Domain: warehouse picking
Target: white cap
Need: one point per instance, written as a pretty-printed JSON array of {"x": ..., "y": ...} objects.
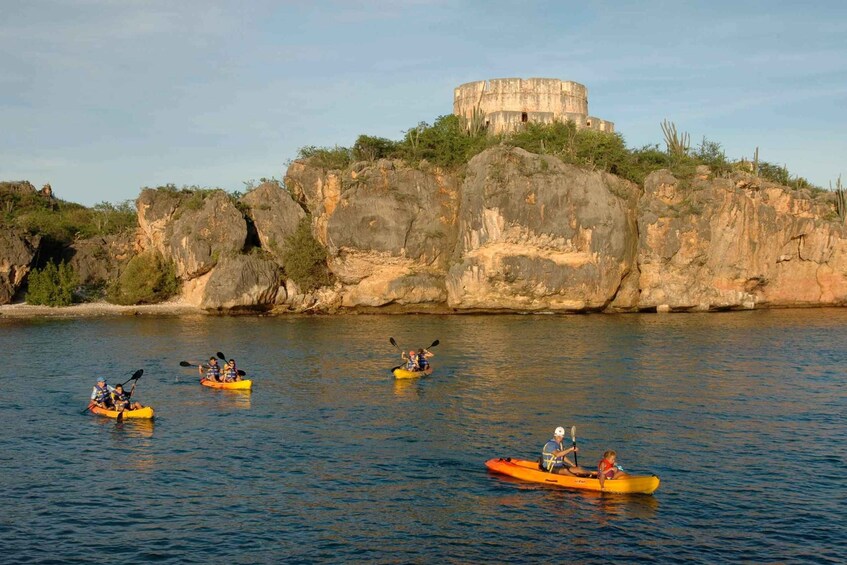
[{"x": 560, "y": 431}]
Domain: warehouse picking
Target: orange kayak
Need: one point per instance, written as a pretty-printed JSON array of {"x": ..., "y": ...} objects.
[
  {"x": 529, "y": 471},
  {"x": 235, "y": 385},
  {"x": 144, "y": 413}
]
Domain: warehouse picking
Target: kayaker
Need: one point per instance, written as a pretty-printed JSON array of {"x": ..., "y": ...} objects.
[
  {"x": 213, "y": 370},
  {"x": 412, "y": 361},
  {"x": 231, "y": 372},
  {"x": 423, "y": 355},
  {"x": 608, "y": 469},
  {"x": 121, "y": 399},
  {"x": 101, "y": 394},
  {"x": 553, "y": 458}
]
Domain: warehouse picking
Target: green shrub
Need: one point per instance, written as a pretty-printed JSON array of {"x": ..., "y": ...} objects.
[
  {"x": 52, "y": 285},
  {"x": 369, "y": 148},
  {"x": 326, "y": 157},
  {"x": 446, "y": 143},
  {"x": 147, "y": 279},
  {"x": 304, "y": 258}
]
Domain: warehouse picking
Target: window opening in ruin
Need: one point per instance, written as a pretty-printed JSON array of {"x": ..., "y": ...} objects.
[
  {"x": 588, "y": 123},
  {"x": 524, "y": 117},
  {"x": 487, "y": 123}
]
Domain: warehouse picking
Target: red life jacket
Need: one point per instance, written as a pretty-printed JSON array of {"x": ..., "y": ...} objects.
[{"x": 607, "y": 468}]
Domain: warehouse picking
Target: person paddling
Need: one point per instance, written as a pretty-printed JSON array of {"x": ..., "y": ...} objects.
[
  {"x": 553, "y": 458},
  {"x": 101, "y": 394},
  {"x": 231, "y": 372},
  {"x": 213, "y": 370},
  {"x": 608, "y": 469},
  {"x": 423, "y": 355},
  {"x": 412, "y": 360},
  {"x": 121, "y": 399}
]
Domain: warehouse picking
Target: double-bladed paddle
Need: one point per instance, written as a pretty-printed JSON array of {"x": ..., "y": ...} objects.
[
  {"x": 222, "y": 357},
  {"x": 135, "y": 376},
  {"x": 394, "y": 343}
]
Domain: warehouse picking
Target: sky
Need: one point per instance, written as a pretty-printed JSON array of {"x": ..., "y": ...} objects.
[{"x": 100, "y": 98}]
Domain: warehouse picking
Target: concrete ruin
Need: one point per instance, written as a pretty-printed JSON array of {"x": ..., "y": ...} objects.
[{"x": 503, "y": 105}]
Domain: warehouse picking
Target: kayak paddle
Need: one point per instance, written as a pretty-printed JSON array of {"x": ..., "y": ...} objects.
[
  {"x": 394, "y": 343},
  {"x": 573, "y": 443},
  {"x": 135, "y": 376},
  {"x": 222, "y": 357}
]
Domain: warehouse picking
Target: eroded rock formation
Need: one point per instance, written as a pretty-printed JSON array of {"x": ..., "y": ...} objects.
[
  {"x": 512, "y": 231},
  {"x": 537, "y": 234},
  {"x": 736, "y": 243},
  {"x": 192, "y": 229},
  {"x": 17, "y": 251}
]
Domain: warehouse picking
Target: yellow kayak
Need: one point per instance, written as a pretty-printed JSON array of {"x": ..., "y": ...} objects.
[
  {"x": 529, "y": 471},
  {"x": 144, "y": 413},
  {"x": 235, "y": 385},
  {"x": 401, "y": 373}
]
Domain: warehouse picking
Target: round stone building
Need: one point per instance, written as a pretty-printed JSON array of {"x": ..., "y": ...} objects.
[{"x": 504, "y": 104}]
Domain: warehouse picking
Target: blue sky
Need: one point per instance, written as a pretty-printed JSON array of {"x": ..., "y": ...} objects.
[{"x": 102, "y": 97}]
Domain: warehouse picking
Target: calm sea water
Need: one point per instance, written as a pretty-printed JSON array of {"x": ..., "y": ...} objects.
[{"x": 742, "y": 416}]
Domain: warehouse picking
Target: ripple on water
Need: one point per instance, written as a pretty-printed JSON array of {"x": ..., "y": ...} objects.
[{"x": 330, "y": 459}]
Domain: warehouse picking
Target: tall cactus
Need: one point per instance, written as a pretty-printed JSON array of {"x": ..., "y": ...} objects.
[
  {"x": 840, "y": 200},
  {"x": 476, "y": 124},
  {"x": 678, "y": 143},
  {"x": 756, "y": 162}
]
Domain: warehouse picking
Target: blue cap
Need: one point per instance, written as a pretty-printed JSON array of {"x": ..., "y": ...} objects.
[{"x": 101, "y": 380}]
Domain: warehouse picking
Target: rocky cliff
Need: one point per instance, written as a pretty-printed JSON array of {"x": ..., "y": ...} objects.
[
  {"x": 512, "y": 231},
  {"x": 524, "y": 232}
]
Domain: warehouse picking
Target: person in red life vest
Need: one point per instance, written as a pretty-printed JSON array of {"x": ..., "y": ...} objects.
[{"x": 608, "y": 469}]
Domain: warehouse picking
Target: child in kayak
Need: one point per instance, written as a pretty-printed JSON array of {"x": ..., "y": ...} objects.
[
  {"x": 121, "y": 400},
  {"x": 412, "y": 361},
  {"x": 607, "y": 468}
]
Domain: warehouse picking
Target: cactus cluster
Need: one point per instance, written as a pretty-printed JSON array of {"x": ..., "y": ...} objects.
[{"x": 677, "y": 143}]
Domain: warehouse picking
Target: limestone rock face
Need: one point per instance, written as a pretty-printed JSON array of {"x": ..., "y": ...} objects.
[
  {"x": 389, "y": 228},
  {"x": 191, "y": 229},
  {"x": 100, "y": 259},
  {"x": 736, "y": 243},
  {"x": 275, "y": 215},
  {"x": 537, "y": 234},
  {"x": 17, "y": 251},
  {"x": 242, "y": 282}
]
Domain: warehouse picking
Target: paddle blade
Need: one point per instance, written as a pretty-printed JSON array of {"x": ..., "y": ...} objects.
[
  {"x": 573, "y": 434},
  {"x": 241, "y": 373},
  {"x": 434, "y": 343},
  {"x": 137, "y": 375},
  {"x": 395, "y": 368},
  {"x": 394, "y": 343},
  {"x": 186, "y": 364},
  {"x": 221, "y": 356}
]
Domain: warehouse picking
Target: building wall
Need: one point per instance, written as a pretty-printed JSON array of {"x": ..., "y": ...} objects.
[{"x": 509, "y": 102}]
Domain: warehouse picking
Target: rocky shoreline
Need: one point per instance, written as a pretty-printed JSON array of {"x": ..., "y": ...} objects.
[{"x": 511, "y": 231}]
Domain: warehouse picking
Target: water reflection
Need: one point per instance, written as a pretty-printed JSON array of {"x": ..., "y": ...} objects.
[{"x": 332, "y": 453}]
